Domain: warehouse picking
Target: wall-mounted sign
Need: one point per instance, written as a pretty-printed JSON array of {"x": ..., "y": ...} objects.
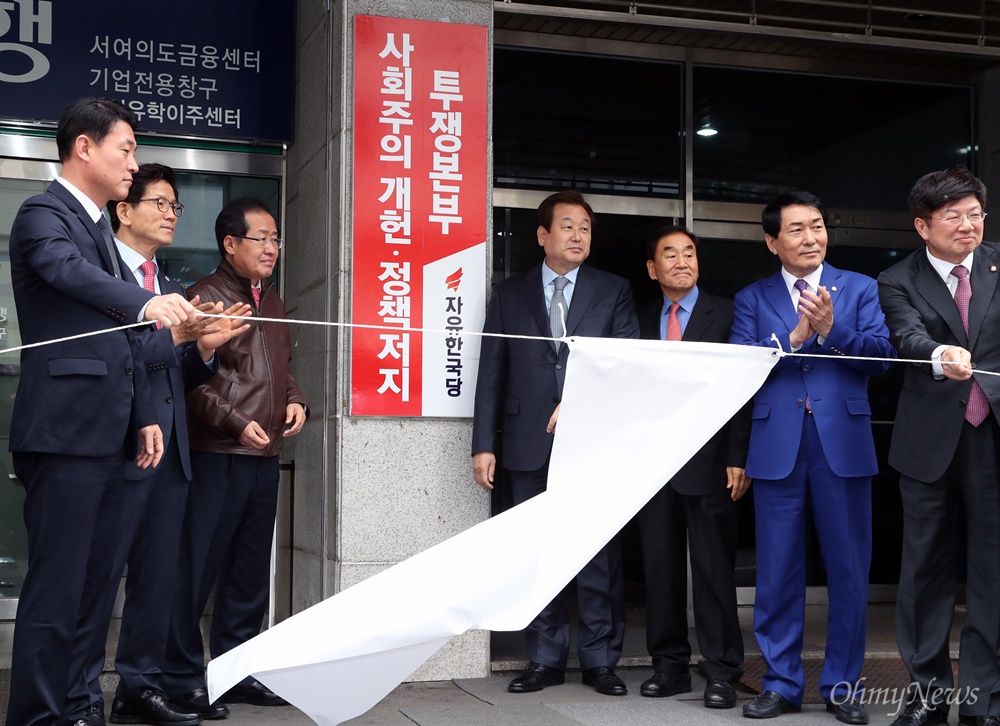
[
  {"x": 201, "y": 68},
  {"x": 420, "y": 105}
]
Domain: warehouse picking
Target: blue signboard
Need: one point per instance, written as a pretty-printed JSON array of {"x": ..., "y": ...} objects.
[{"x": 197, "y": 67}]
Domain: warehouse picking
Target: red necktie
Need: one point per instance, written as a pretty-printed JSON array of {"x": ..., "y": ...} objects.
[
  {"x": 673, "y": 322},
  {"x": 149, "y": 279},
  {"x": 256, "y": 296},
  {"x": 979, "y": 406}
]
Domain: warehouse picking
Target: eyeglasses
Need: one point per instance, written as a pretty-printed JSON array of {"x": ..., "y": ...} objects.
[
  {"x": 165, "y": 206},
  {"x": 953, "y": 220},
  {"x": 265, "y": 241}
]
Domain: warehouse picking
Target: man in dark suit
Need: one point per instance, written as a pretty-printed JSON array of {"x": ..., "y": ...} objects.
[
  {"x": 697, "y": 505},
  {"x": 942, "y": 304},
  {"x": 811, "y": 445},
  {"x": 517, "y": 398},
  {"x": 74, "y": 420},
  {"x": 176, "y": 360}
]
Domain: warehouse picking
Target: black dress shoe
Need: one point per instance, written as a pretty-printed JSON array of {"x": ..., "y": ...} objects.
[
  {"x": 979, "y": 720},
  {"x": 719, "y": 694},
  {"x": 536, "y": 677},
  {"x": 95, "y": 714},
  {"x": 661, "y": 685},
  {"x": 197, "y": 701},
  {"x": 604, "y": 680},
  {"x": 152, "y": 707},
  {"x": 919, "y": 713},
  {"x": 255, "y": 693},
  {"x": 850, "y": 711},
  {"x": 768, "y": 705}
]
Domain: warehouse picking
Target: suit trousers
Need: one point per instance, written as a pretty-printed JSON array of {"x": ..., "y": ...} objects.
[
  {"x": 600, "y": 601},
  {"x": 226, "y": 542},
  {"x": 667, "y": 524},
  {"x": 151, "y": 534},
  {"x": 842, "y": 513},
  {"x": 925, "y": 604},
  {"x": 72, "y": 511}
]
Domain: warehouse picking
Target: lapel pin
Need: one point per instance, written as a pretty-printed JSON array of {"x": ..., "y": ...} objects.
[
  {"x": 993, "y": 268},
  {"x": 833, "y": 289}
]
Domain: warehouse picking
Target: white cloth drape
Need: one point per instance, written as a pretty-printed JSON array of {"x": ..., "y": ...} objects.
[{"x": 633, "y": 413}]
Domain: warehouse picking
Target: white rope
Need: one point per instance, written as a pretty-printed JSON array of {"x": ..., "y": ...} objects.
[{"x": 455, "y": 334}]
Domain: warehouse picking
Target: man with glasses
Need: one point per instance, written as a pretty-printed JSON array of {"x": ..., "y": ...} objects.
[
  {"x": 942, "y": 305},
  {"x": 78, "y": 414},
  {"x": 237, "y": 421},
  {"x": 175, "y": 360}
]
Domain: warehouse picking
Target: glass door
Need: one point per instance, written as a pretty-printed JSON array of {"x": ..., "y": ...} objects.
[{"x": 207, "y": 181}]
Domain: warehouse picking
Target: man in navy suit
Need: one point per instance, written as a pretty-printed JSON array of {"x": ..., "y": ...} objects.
[
  {"x": 811, "y": 445},
  {"x": 75, "y": 417},
  {"x": 944, "y": 444},
  {"x": 698, "y": 505},
  {"x": 517, "y": 398},
  {"x": 155, "y": 499}
]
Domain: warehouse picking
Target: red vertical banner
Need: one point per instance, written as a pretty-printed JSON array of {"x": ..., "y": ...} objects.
[{"x": 420, "y": 120}]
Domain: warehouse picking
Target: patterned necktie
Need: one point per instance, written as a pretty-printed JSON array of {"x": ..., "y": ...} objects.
[
  {"x": 673, "y": 322},
  {"x": 149, "y": 280},
  {"x": 557, "y": 310},
  {"x": 979, "y": 406},
  {"x": 800, "y": 285},
  {"x": 109, "y": 241},
  {"x": 255, "y": 291}
]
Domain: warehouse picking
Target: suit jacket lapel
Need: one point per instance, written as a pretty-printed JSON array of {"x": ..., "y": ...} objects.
[
  {"x": 583, "y": 294},
  {"x": 534, "y": 299},
  {"x": 67, "y": 198},
  {"x": 933, "y": 289},
  {"x": 649, "y": 320},
  {"x": 830, "y": 279},
  {"x": 984, "y": 285},
  {"x": 702, "y": 318},
  {"x": 780, "y": 301}
]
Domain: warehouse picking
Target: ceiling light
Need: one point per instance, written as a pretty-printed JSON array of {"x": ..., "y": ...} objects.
[{"x": 707, "y": 130}]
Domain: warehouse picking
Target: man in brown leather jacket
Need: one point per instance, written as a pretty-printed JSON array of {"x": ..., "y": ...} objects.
[{"x": 237, "y": 421}]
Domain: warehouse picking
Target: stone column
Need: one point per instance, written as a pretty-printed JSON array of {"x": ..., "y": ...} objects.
[{"x": 367, "y": 492}]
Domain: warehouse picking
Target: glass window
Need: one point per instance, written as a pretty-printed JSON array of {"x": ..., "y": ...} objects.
[
  {"x": 858, "y": 144},
  {"x": 13, "y": 538},
  {"x": 598, "y": 124}
]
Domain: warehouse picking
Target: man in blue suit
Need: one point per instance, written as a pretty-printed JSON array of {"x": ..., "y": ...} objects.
[
  {"x": 517, "y": 398},
  {"x": 811, "y": 444},
  {"x": 176, "y": 360},
  {"x": 75, "y": 417}
]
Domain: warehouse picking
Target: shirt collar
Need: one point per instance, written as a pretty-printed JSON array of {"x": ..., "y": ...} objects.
[
  {"x": 812, "y": 279},
  {"x": 687, "y": 302},
  {"x": 548, "y": 275},
  {"x": 88, "y": 204},
  {"x": 132, "y": 258},
  {"x": 943, "y": 268}
]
